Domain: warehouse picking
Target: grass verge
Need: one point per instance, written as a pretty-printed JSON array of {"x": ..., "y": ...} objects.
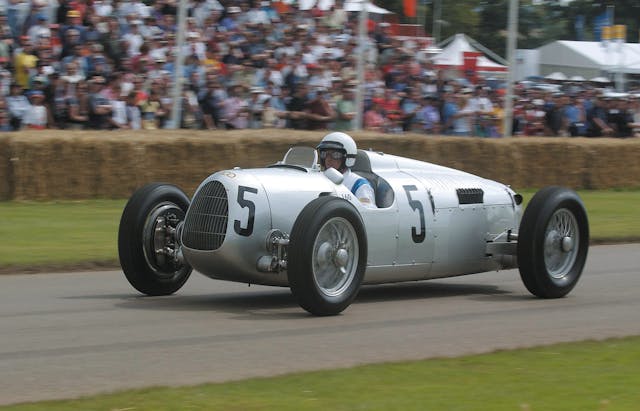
[
  {"x": 572, "y": 376},
  {"x": 83, "y": 234}
]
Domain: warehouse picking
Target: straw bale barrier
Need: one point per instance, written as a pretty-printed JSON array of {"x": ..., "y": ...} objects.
[{"x": 82, "y": 164}]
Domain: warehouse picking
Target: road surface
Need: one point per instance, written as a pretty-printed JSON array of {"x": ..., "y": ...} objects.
[{"x": 71, "y": 334}]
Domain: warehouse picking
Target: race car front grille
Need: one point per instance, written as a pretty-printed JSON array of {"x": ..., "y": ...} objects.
[{"x": 206, "y": 223}]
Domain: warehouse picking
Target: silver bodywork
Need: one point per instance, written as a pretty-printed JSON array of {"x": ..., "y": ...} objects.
[{"x": 437, "y": 221}]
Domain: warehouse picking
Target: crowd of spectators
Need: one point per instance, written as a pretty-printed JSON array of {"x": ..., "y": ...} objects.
[{"x": 110, "y": 64}]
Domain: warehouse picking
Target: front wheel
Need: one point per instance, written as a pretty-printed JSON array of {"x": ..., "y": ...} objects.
[
  {"x": 553, "y": 242},
  {"x": 327, "y": 256},
  {"x": 148, "y": 239}
]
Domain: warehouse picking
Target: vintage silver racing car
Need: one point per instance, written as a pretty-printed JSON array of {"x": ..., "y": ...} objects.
[{"x": 291, "y": 224}]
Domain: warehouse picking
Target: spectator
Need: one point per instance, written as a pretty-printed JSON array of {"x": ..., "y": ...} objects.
[
  {"x": 99, "y": 106},
  {"x": 410, "y": 107},
  {"x": 553, "y": 115},
  {"x": 345, "y": 111},
  {"x": 429, "y": 116},
  {"x": 235, "y": 109},
  {"x": 5, "y": 122},
  {"x": 210, "y": 100},
  {"x": 25, "y": 62},
  {"x": 18, "y": 106},
  {"x": 635, "y": 110},
  {"x": 319, "y": 112},
  {"x": 119, "y": 116},
  {"x": 463, "y": 115},
  {"x": 597, "y": 125},
  {"x": 78, "y": 104},
  {"x": 297, "y": 108},
  {"x": 256, "y": 107},
  {"x": 374, "y": 118},
  {"x": 133, "y": 112},
  {"x": 619, "y": 118},
  {"x": 37, "y": 116},
  {"x": 574, "y": 117}
]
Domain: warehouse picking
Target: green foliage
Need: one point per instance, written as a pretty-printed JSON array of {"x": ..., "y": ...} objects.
[{"x": 539, "y": 22}]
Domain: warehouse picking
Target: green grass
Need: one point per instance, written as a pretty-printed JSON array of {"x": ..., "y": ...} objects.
[
  {"x": 66, "y": 232},
  {"x": 575, "y": 376},
  {"x": 77, "y": 232},
  {"x": 614, "y": 216}
]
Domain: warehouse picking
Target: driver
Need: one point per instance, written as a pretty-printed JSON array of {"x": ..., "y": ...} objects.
[{"x": 338, "y": 150}]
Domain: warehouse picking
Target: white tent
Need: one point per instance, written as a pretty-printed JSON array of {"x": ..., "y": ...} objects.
[
  {"x": 452, "y": 55},
  {"x": 556, "y": 75},
  {"x": 589, "y": 58},
  {"x": 353, "y": 5}
]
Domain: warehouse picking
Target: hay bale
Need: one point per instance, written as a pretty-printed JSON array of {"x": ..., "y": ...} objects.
[
  {"x": 84, "y": 164},
  {"x": 5, "y": 168}
]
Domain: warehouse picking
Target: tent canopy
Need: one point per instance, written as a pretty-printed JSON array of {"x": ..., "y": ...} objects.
[
  {"x": 591, "y": 55},
  {"x": 352, "y": 5},
  {"x": 452, "y": 55}
]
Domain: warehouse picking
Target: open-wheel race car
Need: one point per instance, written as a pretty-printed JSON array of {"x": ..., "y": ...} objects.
[{"x": 291, "y": 224}]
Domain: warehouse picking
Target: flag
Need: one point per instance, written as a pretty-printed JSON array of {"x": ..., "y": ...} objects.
[{"x": 410, "y": 8}]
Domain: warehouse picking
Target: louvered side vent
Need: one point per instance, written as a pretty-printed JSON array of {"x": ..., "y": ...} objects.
[
  {"x": 470, "y": 195},
  {"x": 206, "y": 223}
]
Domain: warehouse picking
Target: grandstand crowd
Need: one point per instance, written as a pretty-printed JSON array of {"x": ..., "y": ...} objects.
[{"x": 110, "y": 64}]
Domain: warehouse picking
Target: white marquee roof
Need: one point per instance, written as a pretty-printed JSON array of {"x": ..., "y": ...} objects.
[
  {"x": 592, "y": 54},
  {"x": 453, "y": 55},
  {"x": 353, "y": 5}
]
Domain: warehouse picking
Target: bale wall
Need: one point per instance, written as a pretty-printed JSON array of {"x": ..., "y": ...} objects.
[{"x": 78, "y": 165}]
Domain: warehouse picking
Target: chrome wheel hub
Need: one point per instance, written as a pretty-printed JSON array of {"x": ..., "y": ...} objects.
[
  {"x": 335, "y": 256},
  {"x": 561, "y": 236}
]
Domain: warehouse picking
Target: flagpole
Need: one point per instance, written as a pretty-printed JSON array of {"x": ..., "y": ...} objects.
[
  {"x": 511, "y": 52},
  {"x": 362, "y": 42}
]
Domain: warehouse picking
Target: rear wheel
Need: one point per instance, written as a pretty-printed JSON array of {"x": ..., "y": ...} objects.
[
  {"x": 327, "y": 256},
  {"x": 553, "y": 242},
  {"x": 148, "y": 239}
]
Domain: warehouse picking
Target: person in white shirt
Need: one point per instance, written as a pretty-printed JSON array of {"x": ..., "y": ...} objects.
[{"x": 338, "y": 150}]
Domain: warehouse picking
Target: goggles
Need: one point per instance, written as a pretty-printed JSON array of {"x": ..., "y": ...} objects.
[{"x": 336, "y": 155}]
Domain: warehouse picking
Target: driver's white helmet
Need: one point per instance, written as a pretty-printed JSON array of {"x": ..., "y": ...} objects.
[{"x": 341, "y": 142}]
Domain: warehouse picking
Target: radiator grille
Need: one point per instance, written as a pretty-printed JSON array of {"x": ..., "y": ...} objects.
[{"x": 206, "y": 222}]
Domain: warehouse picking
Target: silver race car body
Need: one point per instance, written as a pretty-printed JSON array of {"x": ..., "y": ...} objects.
[{"x": 291, "y": 224}]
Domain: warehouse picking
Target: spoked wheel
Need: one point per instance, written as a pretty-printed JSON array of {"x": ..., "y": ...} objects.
[
  {"x": 327, "y": 256},
  {"x": 553, "y": 242},
  {"x": 149, "y": 241}
]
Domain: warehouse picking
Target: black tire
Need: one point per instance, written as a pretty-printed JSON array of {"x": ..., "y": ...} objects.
[
  {"x": 327, "y": 256},
  {"x": 141, "y": 232},
  {"x": 553, "y": 242}
]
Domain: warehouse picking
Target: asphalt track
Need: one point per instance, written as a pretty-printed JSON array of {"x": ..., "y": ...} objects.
[{"x": 73, "y": 334}]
